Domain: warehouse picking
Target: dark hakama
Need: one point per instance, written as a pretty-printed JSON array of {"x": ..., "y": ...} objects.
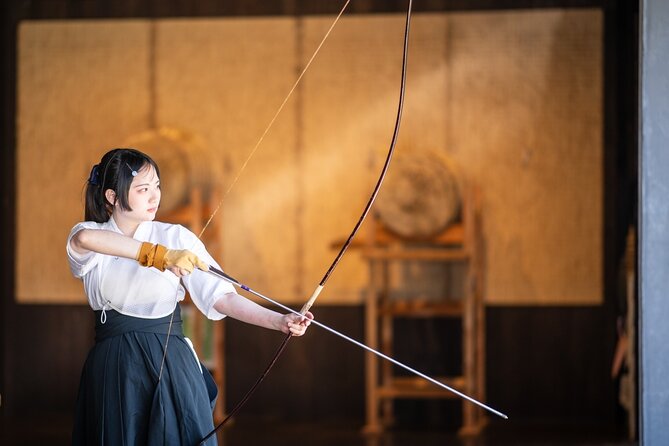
[{"x": 121, "y": 401}]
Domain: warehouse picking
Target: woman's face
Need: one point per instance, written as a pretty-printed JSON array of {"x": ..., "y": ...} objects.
[{"x": 143, "y": 196}]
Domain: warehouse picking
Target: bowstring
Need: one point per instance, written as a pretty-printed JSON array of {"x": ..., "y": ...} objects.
[
  {"x": 271, "y": 123},
  {"x": 246, "y": 162}
]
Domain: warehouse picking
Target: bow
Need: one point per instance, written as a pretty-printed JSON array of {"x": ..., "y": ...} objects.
[
  {"x": 346, "y": 244},
  {"x": 305, "y": 308}
]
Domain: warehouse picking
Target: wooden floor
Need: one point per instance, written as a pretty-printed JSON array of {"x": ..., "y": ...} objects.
[
  {"x": 247, "y": 432},
  {"x": 348, "y": 435}
]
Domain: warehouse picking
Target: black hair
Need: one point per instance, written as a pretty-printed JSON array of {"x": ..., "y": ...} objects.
[{"x": 115, "y": 172}]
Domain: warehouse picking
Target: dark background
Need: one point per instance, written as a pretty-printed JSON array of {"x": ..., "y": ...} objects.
[{"x": 544, "y": 364}]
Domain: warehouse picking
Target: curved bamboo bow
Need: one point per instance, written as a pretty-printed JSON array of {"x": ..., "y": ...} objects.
[{"x": 346, "y": 244}]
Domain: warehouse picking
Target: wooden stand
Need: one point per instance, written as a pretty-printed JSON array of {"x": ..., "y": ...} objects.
[
  {"x": 459, "y": 244},
  {"x": 194, "y": 215}
]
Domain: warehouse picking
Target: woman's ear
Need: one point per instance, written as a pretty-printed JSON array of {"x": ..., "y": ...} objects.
[{"x": 110, "y": 195}]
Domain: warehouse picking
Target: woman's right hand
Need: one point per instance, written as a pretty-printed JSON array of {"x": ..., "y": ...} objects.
[{"x": 182, "y": 262}]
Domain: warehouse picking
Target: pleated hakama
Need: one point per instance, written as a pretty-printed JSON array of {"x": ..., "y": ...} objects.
[{"x": 122, "y": 402}]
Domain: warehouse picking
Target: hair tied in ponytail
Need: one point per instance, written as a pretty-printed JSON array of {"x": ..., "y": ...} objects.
[{"x": 94, "y": 178}]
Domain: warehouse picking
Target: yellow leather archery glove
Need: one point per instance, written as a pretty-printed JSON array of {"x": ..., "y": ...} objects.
[
  {"x": 184, "y": 259},
  {"x": 162, "y": 258}
]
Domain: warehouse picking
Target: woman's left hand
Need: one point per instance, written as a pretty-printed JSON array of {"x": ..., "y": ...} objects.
[{"x": 296, "y": 325}]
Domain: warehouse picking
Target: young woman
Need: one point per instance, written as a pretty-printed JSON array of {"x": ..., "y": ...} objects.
[{"x": 142, "y": 383}]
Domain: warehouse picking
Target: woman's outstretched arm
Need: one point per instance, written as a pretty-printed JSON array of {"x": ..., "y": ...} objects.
[{"x": 240, "y": 308}]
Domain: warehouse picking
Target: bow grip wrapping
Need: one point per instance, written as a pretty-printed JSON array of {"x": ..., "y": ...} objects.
[{"x": 311, "y": 300}]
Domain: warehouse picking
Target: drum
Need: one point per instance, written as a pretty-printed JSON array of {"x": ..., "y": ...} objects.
[{"x": 421, "y": 195}]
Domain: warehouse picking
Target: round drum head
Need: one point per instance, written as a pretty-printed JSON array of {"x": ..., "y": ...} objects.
[{"x": 421, "y": 196}]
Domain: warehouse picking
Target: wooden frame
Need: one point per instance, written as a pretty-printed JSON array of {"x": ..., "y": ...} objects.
[{"x": 460, "y": 243}]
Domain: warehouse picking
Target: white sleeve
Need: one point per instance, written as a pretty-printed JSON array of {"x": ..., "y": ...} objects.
[
  {"x": 81, "y": 264},
  {"x": 204, "y": 288}
]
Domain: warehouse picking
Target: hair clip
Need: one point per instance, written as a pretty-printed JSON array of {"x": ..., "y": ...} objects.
[
  {"x": 94, "y": 177},
  {"x": 132, "y": 171}
]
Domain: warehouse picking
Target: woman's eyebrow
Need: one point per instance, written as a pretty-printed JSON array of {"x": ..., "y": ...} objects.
[{"x": 146, "y": 184}]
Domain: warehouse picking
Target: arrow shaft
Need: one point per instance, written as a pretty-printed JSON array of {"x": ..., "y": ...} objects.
[{"x": 224, "y": 276}]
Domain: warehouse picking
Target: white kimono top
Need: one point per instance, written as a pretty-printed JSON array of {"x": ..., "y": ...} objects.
[{"x": 134, "y": 290}]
